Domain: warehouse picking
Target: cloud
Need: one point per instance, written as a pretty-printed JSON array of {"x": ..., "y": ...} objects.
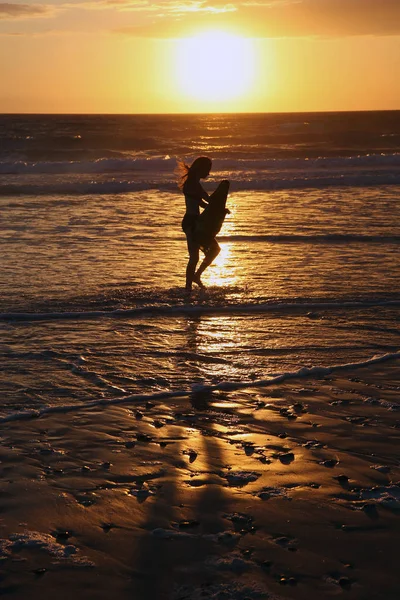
[
  {"x": 254, "y": 18},
  {"x": 162, "y": 7},
  {"x": 15, "y": 11},
  {"x": 273, "y": 18}
]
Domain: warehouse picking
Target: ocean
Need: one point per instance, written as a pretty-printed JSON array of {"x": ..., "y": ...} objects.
[{"x": 93, "y": 255}]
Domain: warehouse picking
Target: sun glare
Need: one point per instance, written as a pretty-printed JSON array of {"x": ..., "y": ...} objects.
[{"x": 215, "y": 66}]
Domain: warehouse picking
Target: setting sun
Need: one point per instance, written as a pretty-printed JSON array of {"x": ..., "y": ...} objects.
[{"x": 215, "y": 66}]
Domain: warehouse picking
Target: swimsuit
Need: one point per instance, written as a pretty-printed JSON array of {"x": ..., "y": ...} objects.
[{"x": 192, "y": 214}]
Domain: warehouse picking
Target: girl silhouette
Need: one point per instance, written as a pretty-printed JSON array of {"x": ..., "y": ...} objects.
[{"x": 196, "y": 196}]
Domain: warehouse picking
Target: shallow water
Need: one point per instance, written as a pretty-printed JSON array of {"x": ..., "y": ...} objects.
[
  {"x": 291, "y": 288},
  {"x": 306, "y": 243},
  {"x": 93, "y": 257}
]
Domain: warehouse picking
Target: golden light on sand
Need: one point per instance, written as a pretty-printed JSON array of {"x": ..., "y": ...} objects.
[{"x": 215, "y": 66}]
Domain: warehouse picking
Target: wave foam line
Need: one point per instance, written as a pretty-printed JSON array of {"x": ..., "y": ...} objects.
[
  {"x": 246, "y": 183},
  {"x": 196, "y": 309},
  {"x": 303, "y": 372},
  {"x": 168, "y": 164}
]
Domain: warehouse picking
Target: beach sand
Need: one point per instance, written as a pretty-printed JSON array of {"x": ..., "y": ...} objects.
[{"x": 285, "y": 491}]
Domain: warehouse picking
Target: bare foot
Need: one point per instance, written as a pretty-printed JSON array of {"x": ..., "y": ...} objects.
[{"x": 199, "y": 282}]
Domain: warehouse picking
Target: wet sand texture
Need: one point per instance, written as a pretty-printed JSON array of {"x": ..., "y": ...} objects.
[{"x": 286, "y": 491}]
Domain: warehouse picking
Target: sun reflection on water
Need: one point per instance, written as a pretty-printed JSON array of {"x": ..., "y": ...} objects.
[
  {"x": 213, "y": 342},
  {"x": 222, "y": 271}
]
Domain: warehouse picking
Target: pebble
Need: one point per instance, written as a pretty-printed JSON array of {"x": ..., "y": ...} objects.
[
  {"x": 330, "y": 463},
  {"x": 286, "y": 458},
  {"x": 242, "y": 478},
  {"x": 188, "y": 524},
  {"x": 313, "y": 444},
  {"x": 143, "y": 437},
  {"x": 381, "y": 468},
  {"x": 282, "y": 541},
  {"x": 46, "y": 451},
  {"x": 264, "y": 460},
  {"x": 192, "y": 455},
  {"x": 341, "y": 478},
  {"x": 62, "y": 534},
  {"x": 372, "y": 401},
  {"x": 86, "y": 499},
  {"x": 357, "y": 420},
  {"x": 271, "y": 492},
  {"x": 239, "y": 518},
  {"x": 138, "y": 415},
  {"x": 40, "y": 571},
  {"x": 344, "y": 582},
  {"x": 370, "y": 510}
]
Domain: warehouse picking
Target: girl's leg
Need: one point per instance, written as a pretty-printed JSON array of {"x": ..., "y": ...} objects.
[
  {"x": 192, "y": 264},
  {"x": 211, "y": 254}
]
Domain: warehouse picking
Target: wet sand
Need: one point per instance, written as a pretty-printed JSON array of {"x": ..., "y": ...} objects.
[{"x": 287, "y": 491}]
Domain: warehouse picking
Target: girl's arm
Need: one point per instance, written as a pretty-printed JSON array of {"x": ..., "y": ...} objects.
[
  {"x": 204, "y": 197},
  {"x": 196, "y": 190}
]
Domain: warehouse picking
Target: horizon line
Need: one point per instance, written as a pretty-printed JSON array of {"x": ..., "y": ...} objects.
[{"x": 160, "y": 114}]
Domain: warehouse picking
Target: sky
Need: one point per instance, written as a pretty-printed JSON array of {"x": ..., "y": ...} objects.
[{"x": 173, "y": 56}]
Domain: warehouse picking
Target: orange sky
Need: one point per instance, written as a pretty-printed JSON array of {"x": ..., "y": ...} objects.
[{"x": 113, "y": 56}]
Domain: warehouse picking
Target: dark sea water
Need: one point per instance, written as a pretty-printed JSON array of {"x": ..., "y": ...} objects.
[
  {"x": 105, "y": 154},
  {"x": 93, "y": 256}
]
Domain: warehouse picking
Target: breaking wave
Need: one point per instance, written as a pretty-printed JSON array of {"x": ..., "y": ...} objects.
[{"x": 157, "y": 164}]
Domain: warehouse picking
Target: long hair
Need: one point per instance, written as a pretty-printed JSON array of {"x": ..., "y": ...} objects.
[
  {"x": 182, "y": 172},
  {"x": 198, "y": 167}
]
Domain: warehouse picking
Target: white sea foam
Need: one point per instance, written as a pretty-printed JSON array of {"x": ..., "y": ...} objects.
[
  {"x": 304, "y": 372},
  {"x": 387, "y": 496},
  {"x": 124, "y": 175},
  {"x": 280, "y": 181},
  {"x": 168, "y": 164},
  {"x": 46, "y": 543}
]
